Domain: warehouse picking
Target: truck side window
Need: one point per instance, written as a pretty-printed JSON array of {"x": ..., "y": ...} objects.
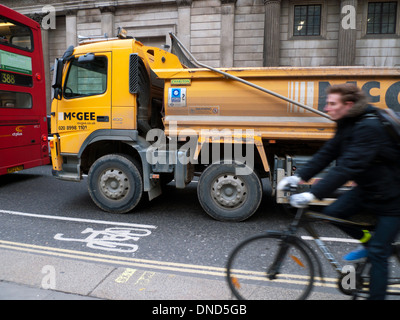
[{"x": 86, "y": 78}]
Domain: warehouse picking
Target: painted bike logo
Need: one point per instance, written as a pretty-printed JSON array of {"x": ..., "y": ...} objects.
[{"x": 110, "y": 239}]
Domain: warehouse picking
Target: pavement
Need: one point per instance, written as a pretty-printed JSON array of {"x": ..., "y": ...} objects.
[
  {"x": 31, "y": 273},
  {"x": 14, "y": 291},
  {"x": 30, "y": 276}
]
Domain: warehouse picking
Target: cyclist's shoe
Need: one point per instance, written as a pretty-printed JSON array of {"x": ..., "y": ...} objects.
[{"x": 360, "y": 253}]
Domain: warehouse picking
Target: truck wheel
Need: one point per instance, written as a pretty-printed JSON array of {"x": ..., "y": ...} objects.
[
  {"x": 226, "y": 196},
  {"x": 115, "y": 183}
]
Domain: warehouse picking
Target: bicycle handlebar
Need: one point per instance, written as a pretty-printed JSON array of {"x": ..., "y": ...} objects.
[
  {"x": 290, "y": 188},
  {"x": 293, "y": 189}
]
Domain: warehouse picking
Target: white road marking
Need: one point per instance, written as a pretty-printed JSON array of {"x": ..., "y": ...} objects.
[
  {"x": 345, "y": 240},
  {"x": 78, "y": 219}
]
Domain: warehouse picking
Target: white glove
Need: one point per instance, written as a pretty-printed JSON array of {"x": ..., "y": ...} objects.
[
  {"x": 301, "y": 200},
  {"x": 288, "y": 181}
]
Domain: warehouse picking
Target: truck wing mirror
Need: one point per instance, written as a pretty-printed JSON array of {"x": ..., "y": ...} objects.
[
  {"x": 88, "y": 57},
  {"x": 68, "y": 54},
  {"x": 57, "y": 79}
]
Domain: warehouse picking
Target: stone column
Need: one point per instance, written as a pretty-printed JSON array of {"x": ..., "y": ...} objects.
[
  {"x": 71, "y": 37},
  {"x": 227, "y": 32},
  {"x": 272, "y": 33},
  {"x": 184, "y": 19},
  {"x": 107, "y": 21},
  {"x": 347, "y": 34}
]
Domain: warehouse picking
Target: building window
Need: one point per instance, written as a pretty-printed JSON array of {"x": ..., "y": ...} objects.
[
  {"x": 307, "y": 20},
  {"x": 381, "y": 17}
]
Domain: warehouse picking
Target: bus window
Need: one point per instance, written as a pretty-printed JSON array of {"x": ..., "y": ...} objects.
[
  {"x": 19, "y": 100},
  {"x": 15, "y": 35}
]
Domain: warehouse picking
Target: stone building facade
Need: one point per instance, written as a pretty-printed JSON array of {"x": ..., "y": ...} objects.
[{"x": 236, "y": 33}]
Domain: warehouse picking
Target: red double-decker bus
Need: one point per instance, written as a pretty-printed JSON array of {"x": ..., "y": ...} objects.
[{"x": 23, "y": 119}]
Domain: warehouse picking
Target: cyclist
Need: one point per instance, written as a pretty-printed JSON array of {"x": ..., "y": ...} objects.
[{"x": 365, "y": 154}]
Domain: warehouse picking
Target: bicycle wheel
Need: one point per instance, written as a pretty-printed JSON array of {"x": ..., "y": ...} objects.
[
  {"x": 250, "y": 268},
  {"x": 396, "y": 250}
]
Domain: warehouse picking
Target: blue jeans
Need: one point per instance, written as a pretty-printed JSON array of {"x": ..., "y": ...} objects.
[
  {"x": 379, "y": 247},
  {"x": 379, "y": 250},
  {"x": 348, "y": 205}
]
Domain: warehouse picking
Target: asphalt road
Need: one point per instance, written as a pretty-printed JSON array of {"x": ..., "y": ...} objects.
[
  {"x": 53, "y": 236},
  {"x": 175, "y": 228}
]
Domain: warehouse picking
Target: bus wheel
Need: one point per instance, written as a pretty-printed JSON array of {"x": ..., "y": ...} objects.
[
  {"x": 115, "y": 183},
  {"x": 227, "y": 196}
]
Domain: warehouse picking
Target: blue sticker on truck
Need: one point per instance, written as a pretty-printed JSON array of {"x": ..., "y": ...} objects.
[{"x": 177, "y": 97}]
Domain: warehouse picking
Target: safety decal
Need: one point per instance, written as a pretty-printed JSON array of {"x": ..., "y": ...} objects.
[{"x": 177, "y": 97}]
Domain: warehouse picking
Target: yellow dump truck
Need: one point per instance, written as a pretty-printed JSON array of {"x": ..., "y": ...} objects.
[{"x": 133, "y": 118}]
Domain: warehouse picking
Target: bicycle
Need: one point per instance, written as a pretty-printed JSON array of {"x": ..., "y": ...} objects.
[{"x": 280, "y": 264}]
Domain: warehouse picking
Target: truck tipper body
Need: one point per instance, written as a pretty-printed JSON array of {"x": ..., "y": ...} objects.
[{"x": 134, "y": 118}]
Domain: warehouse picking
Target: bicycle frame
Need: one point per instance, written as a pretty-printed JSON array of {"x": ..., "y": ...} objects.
[
  {"x": 322, "y": 247},
  {"x": 289, "y": 234},
  {"x": 309, "y": 228},
  {"x": 288, "y": 239}
]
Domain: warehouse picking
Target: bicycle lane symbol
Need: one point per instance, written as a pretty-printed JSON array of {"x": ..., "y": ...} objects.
[{"x": 115, "y": 239}]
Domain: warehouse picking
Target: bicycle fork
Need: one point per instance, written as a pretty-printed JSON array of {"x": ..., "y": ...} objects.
[
  {"x": 273, "y": 270},
  {"x": 288, "y": 239}
]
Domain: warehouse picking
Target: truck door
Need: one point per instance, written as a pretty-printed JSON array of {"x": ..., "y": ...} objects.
[{"x": 86, "y": 99}]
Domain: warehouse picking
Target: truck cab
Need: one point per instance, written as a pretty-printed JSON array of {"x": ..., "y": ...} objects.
[{"x": 106, "y": 99}]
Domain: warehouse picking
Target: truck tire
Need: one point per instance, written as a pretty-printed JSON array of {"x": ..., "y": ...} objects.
[
  {"x": 115, "y": 183},
  {"x": 226, "y": 196}
]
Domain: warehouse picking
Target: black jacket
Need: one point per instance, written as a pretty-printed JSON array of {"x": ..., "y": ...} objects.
[{"x": 365, "y": 154}]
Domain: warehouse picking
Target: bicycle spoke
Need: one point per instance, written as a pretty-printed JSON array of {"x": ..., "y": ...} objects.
[{"x": 260, "y": 269}]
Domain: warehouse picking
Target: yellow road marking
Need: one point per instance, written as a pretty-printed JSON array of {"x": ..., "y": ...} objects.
[
  {"x": 125, "y": 276},
  {"x": 154, "y": 264},
  {"x": 144, "y": 263},
  {"x": 159, "y": 265}
]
